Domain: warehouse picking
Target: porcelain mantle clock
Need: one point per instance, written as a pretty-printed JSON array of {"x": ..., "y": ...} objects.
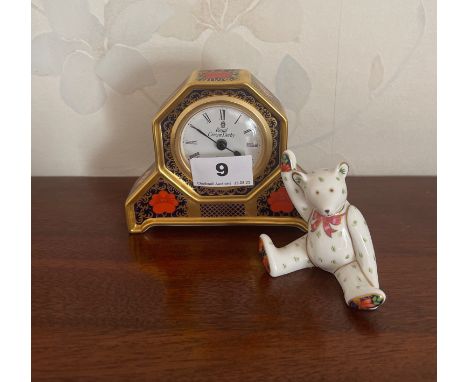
[{"x": 215, "y": 114}]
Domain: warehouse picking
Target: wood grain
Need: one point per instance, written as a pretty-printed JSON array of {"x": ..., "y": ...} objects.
[{"x": 194, "y": 303}]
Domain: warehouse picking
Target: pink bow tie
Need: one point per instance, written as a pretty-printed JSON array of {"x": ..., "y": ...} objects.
[{"x": 326, "y": 221}]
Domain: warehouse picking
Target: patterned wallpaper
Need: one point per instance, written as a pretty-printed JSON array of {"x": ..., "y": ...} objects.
[{"x": 357, "y": 78}]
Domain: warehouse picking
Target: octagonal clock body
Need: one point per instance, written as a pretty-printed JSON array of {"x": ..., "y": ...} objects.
[{"x": 214, "y": 113}]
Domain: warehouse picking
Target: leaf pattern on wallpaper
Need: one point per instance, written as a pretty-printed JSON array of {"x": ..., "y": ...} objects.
[
  {"x": 421, "y": 15},
  {"x": 292, "y": 84},
  {"x": 72, "y": 20},
  {"x": 229, "y": 50},
  {"x": 86, "y": 54},
  {"x": 48, "y": 52},
  {"x": 191, "y": 18},
  {"x": 129, "y": 23},
  {"x": 125, "y": 70},
  {"x": 183, "y": 24},
  {"x": 80, "y": 87},
  {"x": 383, "y": 53},
  {"x": 132, "y": 22},
  {"x": 357, "y": 90},
  {"x": 225, "y": 13},
  {"x": 287, "y": 27},
  {"x": 376, "y": 73},
  {"x": 224, "y": 47}
]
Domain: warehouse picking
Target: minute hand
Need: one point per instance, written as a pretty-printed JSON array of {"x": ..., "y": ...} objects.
[
  {"x": 202, "y": 133},
  {"x": 220, "y": 143}
]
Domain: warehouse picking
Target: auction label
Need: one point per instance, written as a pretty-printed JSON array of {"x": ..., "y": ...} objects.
[{"x": 233, "y": 171}]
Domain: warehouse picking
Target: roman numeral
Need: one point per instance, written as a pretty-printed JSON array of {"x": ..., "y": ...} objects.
[
  {"x": 195, "y": 155},
  {"x": 207, "y": 117},
  {"x": 222, "y": 114},
  {"x": 247, "y": 131},
  {"x": 191, "y": 142},
  {"x": 240, "y": 115}
]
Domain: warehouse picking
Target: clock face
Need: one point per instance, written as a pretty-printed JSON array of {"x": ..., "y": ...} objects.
[{"x": 222, "y": 130}]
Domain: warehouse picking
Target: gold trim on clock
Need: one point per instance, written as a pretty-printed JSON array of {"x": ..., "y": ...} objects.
[
  {"x": 221, "y": 221},
  {"x": 252, "y": 112}
]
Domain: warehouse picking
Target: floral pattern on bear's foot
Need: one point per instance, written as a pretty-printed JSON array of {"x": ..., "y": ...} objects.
[
  {"x": 263, "y": 255},
  {"x": 285, "y": 163},
  {"x": 369, "y": 302}
]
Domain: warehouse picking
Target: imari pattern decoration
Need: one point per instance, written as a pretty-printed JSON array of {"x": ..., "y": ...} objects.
[
  {"x": 275, "y": 201},
  {"x": 338, "y": 239},
  {"x": 162, "y": 200},
  {"x": 218, "y": 75},
  {"x": 212, "y": 111},
  {"x": 263, "y": 255},
  {"x": 370, "y": 302}
]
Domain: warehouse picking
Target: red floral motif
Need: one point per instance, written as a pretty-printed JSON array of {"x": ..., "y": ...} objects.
[
  {"x": 163, "y": 201},
  {"x": 261, "y": 251},
  {"x": 285, "y": 167},
  {"x": 279, "y": 201},
  {"x": 217, "y": 75},
  {"x": 220, "y": 74},
  {"x": 370, "y": 302}
]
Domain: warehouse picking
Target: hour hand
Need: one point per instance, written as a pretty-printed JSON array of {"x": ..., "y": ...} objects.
[{"x": 235, "y": 152}]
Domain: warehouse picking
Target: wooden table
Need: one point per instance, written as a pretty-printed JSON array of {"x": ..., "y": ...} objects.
[{"x": 194, "y": 303}]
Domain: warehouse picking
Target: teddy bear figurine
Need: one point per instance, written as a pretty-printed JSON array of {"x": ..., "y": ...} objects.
[{"x": 338, "y": 240}]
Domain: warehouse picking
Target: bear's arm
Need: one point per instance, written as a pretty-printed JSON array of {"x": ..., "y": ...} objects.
[
  {"x": 294, "y": 191},
  {"x": 362, "y": 244}
]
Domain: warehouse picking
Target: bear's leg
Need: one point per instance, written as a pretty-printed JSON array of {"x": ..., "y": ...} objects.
[
  {"x": 358, "y": 292},
  {"x": 280, "y": 261}
]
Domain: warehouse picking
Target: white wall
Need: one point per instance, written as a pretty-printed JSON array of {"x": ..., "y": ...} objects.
[{"x": 358, "y": 78}]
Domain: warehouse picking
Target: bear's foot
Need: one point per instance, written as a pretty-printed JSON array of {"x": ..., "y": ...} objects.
[
  {"x": 368, "y": 301},
  {"x": 267, "y": 251},
  {"x": 263, "y": 255},
  {"x": 280, "y": 261}
]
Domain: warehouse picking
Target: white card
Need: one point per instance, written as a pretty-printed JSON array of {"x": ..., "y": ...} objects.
[{"x": 235, "y": 171}]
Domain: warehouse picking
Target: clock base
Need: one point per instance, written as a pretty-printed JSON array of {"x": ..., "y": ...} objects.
[{"x": 154, "y": 201}]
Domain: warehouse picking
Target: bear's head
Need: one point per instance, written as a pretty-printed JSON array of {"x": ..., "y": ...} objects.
[{"x": 325, "y": 190}]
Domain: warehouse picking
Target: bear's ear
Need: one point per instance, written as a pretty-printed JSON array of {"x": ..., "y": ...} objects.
[
  {"x": 299, "y": 178},
  {"x": 343, "y": 169}
]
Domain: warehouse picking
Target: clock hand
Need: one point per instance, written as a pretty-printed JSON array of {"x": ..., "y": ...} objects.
[
  {"x": 221, "y": 144},
  {"x": 202, "y": 133},
  {"x": 235, "y": 152}
]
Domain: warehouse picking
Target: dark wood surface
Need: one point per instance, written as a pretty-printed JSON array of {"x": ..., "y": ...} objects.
[{"x": 194, "y": 303}]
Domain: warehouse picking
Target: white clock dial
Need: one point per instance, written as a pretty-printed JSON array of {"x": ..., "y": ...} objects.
[{"x": 220, "y": 131}]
